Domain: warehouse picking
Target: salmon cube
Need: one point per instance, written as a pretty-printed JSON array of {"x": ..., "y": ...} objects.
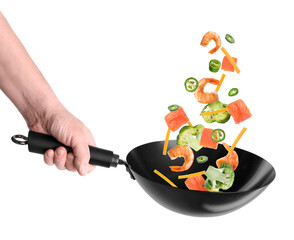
[
  {"x": 239, "y": 111},
  {"x": 226, "y": 64},
  {"x": 176, "y": 119},
  {"x": 195, "y": 183},
  {"x": 206, "y": 140}
]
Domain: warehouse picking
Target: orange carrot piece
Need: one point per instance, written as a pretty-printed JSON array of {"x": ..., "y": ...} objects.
[
  {"x": 164, "y": 178},
  {"x": 166, "y": 142},
  {"x": 232, "y": 61},
  {"x": 220, "y": 83}
]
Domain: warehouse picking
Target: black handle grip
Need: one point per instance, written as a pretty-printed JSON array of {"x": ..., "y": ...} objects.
[{"x": 39, "y": 143}]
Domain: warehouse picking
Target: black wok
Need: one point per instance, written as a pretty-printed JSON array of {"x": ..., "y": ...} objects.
[{"x": 252, "y": 176}]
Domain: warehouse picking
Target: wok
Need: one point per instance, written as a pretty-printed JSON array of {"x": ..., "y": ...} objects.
[{"x": 252, "y": 176}]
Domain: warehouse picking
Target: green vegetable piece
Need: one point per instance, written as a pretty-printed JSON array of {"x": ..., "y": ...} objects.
[
  {"x": 229, "y": 38},
  {"x": 202, "y": 159},
  {"x": 218, "y": 135},
  {"x": 214, "y": 65},
  {"x": 233, "y": 92},
  {"x": 222, "y": 117},
  {"x": 191, "y": 136},
  {"x": 219, "y": 178},
  {"x": 173, "y": 108},
  {"x": 191, "y": 84}
]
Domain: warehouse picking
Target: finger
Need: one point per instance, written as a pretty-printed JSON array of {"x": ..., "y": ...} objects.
[
  {"x": 82, "y": 157},
  {"x": 91, "y": 168},
  {"x": 69, "y": 164},
  {"x": 60, "y": 158},
  {"x": 48, "y": 157}
]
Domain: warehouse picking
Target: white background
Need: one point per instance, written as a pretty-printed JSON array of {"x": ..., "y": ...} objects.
[{"x": 117, "y": 65}]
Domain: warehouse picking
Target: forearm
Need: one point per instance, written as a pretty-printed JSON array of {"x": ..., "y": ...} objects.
[{"x": 21, "y": 80}]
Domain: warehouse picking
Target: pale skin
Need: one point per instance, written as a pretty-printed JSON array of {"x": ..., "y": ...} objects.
[{"x": 23, "y": 83}]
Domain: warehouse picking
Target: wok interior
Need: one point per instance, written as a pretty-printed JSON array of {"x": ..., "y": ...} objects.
[{"x": 252, "y": 173}]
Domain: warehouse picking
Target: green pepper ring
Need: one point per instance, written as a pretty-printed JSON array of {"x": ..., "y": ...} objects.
[
  {"x": 173, "y": 107},
  {"x": 233, "y": 92},
  {"x": 202, "y": 159},
  {"x": 190, "y": 86},
  {"x": 214, "y": 65},
  {"x": 229, "y": 38},
  {"x": 220, "y": 135}
]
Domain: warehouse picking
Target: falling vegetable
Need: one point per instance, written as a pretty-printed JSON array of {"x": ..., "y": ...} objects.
[
  {"x": 191, "y": 84},
  {"x": 229, "y": 38},
  {"x": 173, "y": 108},
  {"x": 237, "y": 139},
  {"x": 221, "y": 117},
  {"x": 232, "y": 61},
  {"x": 164, "y": 178},
  {"x": 191, "y": 175},
  {"x": 218, "y": 135},
  {"x": 214, "y": 65},
  {"x": 219, "y": 178},
  {"x": 220, "y": 82},
  {"x": 202, "y": 159},
  {"x": 233, "y": 92},
  {"x": 238, "y": 110},
  {"x": 190, "y": 136}
]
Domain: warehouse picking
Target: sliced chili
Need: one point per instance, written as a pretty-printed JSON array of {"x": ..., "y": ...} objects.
[
  {"x": 229, "y": 38},
  {"x": 173, "y": 108},
  {"x": 191, "y": 84},
  {"x": 218, "y": 135},
  {"x": 214, "y": 65},
  {"x": 202, "y": 159},
  {"x": 233, "y": 92}
]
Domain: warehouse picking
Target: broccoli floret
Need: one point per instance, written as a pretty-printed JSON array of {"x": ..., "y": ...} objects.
[
  {"x": 219, "y": 178},
  {"x": 222, "y": 117},
  {"x": 191, "y": 136}
]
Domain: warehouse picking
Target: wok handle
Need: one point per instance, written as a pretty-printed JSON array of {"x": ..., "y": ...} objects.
[{"x": 39, "y": 143}]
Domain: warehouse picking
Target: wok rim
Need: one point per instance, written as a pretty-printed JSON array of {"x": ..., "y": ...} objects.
[{"x": 205, "y": 192}]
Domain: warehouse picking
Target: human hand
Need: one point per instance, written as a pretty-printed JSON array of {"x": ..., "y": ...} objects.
[{"x": 70, "y": 131}]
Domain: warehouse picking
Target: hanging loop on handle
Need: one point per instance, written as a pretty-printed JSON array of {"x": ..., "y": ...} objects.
[{"x": 23, "y": 141}]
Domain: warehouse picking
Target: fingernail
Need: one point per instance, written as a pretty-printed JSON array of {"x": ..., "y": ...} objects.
[{"x": 59, "y": 153}]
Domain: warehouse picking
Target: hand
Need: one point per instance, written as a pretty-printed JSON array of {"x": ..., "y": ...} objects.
[
  {"x": 26, "y": 87},
  {"x": 70, "y": 131}
]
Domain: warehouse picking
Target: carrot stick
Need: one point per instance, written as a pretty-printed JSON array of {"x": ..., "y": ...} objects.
[
  {"x": 191, "y": 175},
  {"x": 190, "y": 124},
  {"x": 214, "y": 112},
  {"x": 220, "y": 82},
  {"x": 237, "y": 140},
  {"x": 231, "y": 59},
  {"x": 166, "y": 142},
  {"x": 164, "y": 178}
]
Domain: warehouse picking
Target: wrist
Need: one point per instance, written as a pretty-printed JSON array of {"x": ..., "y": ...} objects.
[{"x": 39, "y": 112}]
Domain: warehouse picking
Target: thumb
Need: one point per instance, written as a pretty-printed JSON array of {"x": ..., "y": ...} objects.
[{"x": 81, "y": 158}]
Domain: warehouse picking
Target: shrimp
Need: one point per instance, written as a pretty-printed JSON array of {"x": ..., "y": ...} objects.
[
  {"x": 231, "y": 159},
  {"x": 211, "y": 36},
  {"x": 181, "y": 151},
  {"x": 204, "y": 97}
]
